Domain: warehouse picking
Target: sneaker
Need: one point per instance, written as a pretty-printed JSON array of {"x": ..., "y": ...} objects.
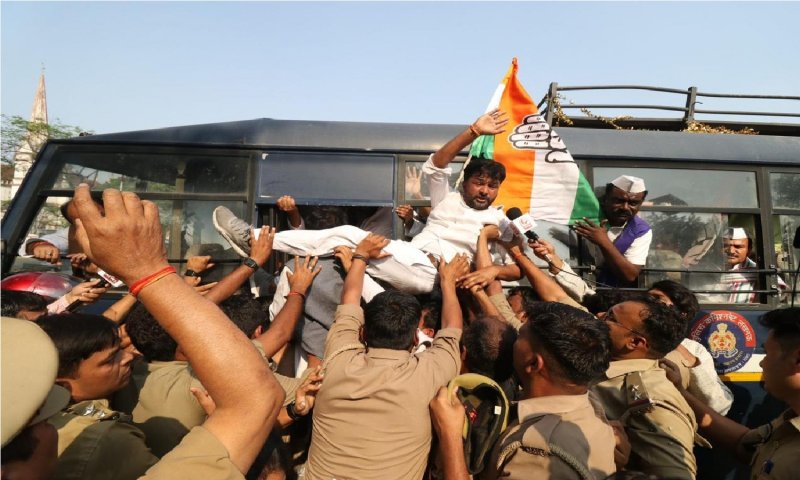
[{"x": 233, "y": 229}]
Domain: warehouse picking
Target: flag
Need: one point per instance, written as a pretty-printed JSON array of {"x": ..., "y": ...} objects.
[{"x": 541, "y": 176}]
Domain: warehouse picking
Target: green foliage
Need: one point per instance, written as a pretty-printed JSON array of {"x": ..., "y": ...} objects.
[{"x": 16, "y": 128}]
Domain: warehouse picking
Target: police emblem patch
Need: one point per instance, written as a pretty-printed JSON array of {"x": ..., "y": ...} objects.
[{"x": 728, "y": 336}]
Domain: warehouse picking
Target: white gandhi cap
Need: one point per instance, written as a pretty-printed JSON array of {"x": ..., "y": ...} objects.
[
  {"x": 735, "y": 233},
  {"x": 629, "y": 184}
]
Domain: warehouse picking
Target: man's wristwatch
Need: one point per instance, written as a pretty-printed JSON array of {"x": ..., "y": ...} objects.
[
  {"x": 190, "y": 273},
  {"x": 250, "y": 263}
]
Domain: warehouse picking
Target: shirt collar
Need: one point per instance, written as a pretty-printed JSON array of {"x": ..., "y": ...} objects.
[
  {"x": 387, "y": 354},
  {"x": 552, "y": 404},
  {"x": 622, "y": 367}
]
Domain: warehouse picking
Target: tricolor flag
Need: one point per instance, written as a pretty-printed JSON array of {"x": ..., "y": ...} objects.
[{"x": 541, "y": 176}]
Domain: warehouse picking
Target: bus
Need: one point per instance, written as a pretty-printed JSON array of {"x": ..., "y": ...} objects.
[{"x": 699, "y": 184}]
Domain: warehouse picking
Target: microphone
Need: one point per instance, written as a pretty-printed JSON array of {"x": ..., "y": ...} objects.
[
  {"x": 106, "y": 280},
  {"x": 523, "y": 225}
]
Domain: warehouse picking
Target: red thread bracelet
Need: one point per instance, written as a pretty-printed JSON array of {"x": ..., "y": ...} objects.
[
  {"x": 143, "y": 282},
  {"x": 296, "y": 293}
]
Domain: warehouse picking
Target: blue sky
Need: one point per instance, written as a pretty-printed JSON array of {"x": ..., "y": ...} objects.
[{"x": 127, "y": 66}]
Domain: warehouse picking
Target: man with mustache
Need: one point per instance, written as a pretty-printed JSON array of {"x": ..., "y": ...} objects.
[{"x": 623, "y": 246}]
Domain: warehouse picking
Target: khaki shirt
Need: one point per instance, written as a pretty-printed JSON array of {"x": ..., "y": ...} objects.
[
  {"x": 98, "y": 443},
  {"x": 199, "y": 455},
  {"x": 660, "y": 424},
  {"x": 568, "y": 422},
  {"x": 371, "y": 418},
  {"x": 775, "y": 448},
  {"x": 165, "y": 408}
]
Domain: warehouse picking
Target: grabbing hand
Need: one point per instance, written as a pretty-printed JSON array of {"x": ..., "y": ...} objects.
[
  {"x": 491, "y": 123},
  {"x": 345, "y": 256},
  {"x": 261, "y": 248},
  {"x": 125, "y": 242},
  {"x": 490, "y": 232},
  {"x": 406, "y": 213},
  {"x": 86, "y": 292},
  {"x": 286, "y": 204},
  {"x": 449, "y": 273},
  {"x": 672, "y": 371},
  {"x": 447, "y": 414},
  {"x": 306, "y": 393},
  {"x": 199, "y": 263},
  {"x": 591, "y": 231},
  {"x": 303, "y": 274},
  {"x": 372, "y": 246},
  {"x": 479, "y": 278},
  {"x": 204, "y": 399},
  {"x": 47, "y": 252}
]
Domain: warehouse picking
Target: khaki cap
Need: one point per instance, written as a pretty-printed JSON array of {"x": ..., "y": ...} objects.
[{"x": 29, "y": 368}]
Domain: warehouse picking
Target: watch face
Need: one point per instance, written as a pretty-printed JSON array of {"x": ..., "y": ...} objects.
[{"x": 251, "y": 263}]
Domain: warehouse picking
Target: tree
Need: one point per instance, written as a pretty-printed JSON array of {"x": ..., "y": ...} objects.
[{"x": 16, "y": 129}]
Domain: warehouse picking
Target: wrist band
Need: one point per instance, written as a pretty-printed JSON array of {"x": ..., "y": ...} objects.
[
  {"x": 296, "y": 293},
  {"x": 190, "y": 273},
  {"x": 150, "y": 279},
  {"x": 250, "y": 263},
  {"x": 517, "y": 256},
  {"x": 358, "y": 256},
  {"x": 474, "y": 130},
  {"x": 292, "y": 412}
]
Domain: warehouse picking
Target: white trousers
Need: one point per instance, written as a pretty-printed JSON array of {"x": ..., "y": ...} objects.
[{"x": 408, "y": 269}]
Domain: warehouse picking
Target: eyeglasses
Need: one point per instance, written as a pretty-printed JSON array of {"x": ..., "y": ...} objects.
[{"x": 609, "y": 317}]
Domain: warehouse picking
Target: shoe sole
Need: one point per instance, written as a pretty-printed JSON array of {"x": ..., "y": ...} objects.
[{"x": 227, "y": 237}]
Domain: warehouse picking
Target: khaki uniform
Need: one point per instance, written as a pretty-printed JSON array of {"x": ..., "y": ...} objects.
[
  {"x": 684, "y": 367},
  {"x": 371, "y": 418},
  {"x": 199, "y": 455},
  {"x": 98, "y": 443},
  {"x": 165, "y": 408},
  {"x": 560, "y": 437},
  {"x": 775, "y": 448},
  {"x": 661, "y": 426}
]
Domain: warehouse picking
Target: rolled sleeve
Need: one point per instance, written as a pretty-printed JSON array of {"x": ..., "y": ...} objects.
[
  {"x": 199, "y": 455},
  {"x": 501, "y": 302}
]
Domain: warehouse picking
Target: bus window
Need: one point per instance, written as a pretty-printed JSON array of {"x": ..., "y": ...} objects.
[
  {"x": 689, "y": 211},
  {"x": 153, "y": 173},
  {"x": 414, "y": 168},
  {"x": 326, "y": 178},
  {"x": 47, "y": 224}
]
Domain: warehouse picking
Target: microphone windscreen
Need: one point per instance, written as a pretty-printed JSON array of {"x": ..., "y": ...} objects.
[{"x": 513, "y": 213}]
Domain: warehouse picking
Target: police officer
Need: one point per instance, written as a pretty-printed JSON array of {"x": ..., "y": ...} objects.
[{"x": 658, "y": 421}]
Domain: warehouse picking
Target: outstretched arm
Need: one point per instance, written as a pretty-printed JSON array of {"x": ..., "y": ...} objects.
[
  {"x": 280, "y": 331},
  {"x": 490, "y": 123},
  {"x": 126, "y": 241},
  {"x": 449, "y": 274},
  {"x": 260, "y": 251},
  {"x": 447, "y": 415}
]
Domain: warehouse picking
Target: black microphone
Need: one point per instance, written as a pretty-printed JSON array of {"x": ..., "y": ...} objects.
[{"x": 524, "y": 224}]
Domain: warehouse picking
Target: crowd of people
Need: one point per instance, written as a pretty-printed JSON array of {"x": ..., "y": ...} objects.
[{"x": 376, "y": 358}]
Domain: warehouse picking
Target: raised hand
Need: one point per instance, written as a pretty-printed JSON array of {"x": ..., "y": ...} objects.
[
  {"x": 413, "y": 182},
  {"x": 86, "y": 292},
  {"x": 491, "y": 123},
  {"x": 345, "y": 256},
  {"x": 406, "y": 213},
  {"x": 47, "y": 252},
  {"x": 125, "y": 242},
  {"x": 199, "y": 263},
  {"x": 307, "y": 392},
  {"x": 261, "y": 248}
]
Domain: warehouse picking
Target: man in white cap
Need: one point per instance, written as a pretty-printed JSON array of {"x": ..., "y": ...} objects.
[
  {"x": 30, "y": 397},
  {"x": 623, "y": 246},
  {"x": 736, "y": 247}
]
